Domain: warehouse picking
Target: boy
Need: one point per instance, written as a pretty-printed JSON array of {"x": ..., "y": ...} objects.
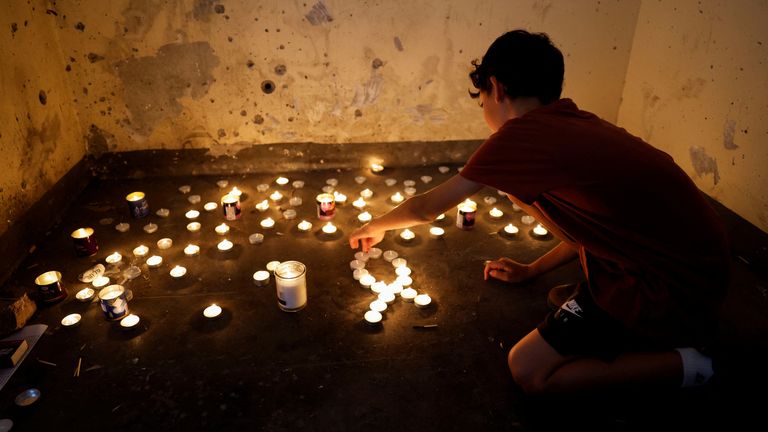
[{"x": 652, "y": 249}]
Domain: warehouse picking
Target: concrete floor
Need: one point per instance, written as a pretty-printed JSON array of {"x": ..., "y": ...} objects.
[{"x": 323, "y": 368}]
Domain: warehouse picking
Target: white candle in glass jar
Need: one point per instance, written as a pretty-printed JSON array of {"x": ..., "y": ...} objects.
[{"x": 222, "y": 229}]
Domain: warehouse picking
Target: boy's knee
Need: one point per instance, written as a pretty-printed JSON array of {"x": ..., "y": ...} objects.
[{"x": 524, "y": 373}]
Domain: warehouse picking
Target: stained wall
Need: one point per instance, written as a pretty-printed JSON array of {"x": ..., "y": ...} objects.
[{"x": 697, "y": 87}]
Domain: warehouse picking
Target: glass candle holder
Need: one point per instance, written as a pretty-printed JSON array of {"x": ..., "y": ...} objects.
[{"x": 291, "y": 282}]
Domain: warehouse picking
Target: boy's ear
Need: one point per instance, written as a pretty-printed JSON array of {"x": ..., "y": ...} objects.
[{"x": 496, "y": 91}]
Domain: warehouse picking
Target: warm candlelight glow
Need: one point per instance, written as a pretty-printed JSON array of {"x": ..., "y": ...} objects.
[
  {"x": 374, "y": 253},
  {"x": 210, "y": 206},
  {"x": 441, "y": 217},
  {"x": 164, "y": 243},
  {"x": 235, "y": 192},
  {"x": 130, "y": 321},
  {"x": 289, "y": 214},
  {"x": 340, "y": 198},
  {"x": 511, "y": 229},
  {"x": 150, "y": 228},
  {"x": 407, "y": 235},
  {"x": 82, "y": 233},
  {"x": 193, "y": 226},
  {"x": 71, "y": 320},
  {"x": 295, "y": 201},
  {"x": 192, "y": 214},
  {"x": 276, "y": 196},
  {"x": 154, "y": 261},
  {"x": 539, "y": 230},
  {"x": 398, "y": 262},
  {"x": 256, "y": 238},
  {"x": 329, "y": 228},
  {"x": 140, "y": 251},
  {"x": 356, "y": 264},
  {"x": 262, "y": 206},
  {"x": 367, "y": 280},
  {"x": 122, "y": 227},
  {"x": 422, "y": 300},
  {"x": 389, "y": 255},
  {"x": 262, "y": 187},
  {"x": 222, "y": 229},
  {"x": 297, "y": 184},
  {"x": 191, "y": 250},
  {"x": 358, "y": 273},
  {"x": 408, "y": 294},
  {"x": 100, "y": 282},
  {"x": 178, "y": 271},
  {"x": 436, "y": 232},
  {"x": 364, "y": 217},
  {"x": 261, "y": 277},
  {"x": 496, "y": 213},
  {"x": 397, "y": 198},
  {"x": 114, "y": 258},
  {"x": 212, "y": 311},
  {"x": 377, "y": 168},
  {"x": 378, "y": 287},
  {"x": 387, "y": 297},
  {"x": 404, "y": 281},
  {"x": 267, "y": 223},
  {"x": 85, "y": 294},
  {"x": 282, "y": 181},
  {"x": 225, "y": 245},
  {"x": 135, "y": 196},
  {"x": 410, "y": 191},
  {"x": 373, "y": 317},
  {"x": 359, "y": 203},
  {"x": 362, "y": 256},
  {"x": 403, "y": 271},
  {"x": 378, "y": 306},
  {"x": 272, "y": 265},
  {"x": 304, "y": 226},
  {"x": 366, "y": 193}
]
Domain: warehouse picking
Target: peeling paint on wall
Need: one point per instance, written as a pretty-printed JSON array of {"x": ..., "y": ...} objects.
[
  {"x": 154, "y": 84},
  {"x": 704, "y": 164},
  {"x": 318, "y": 14},
  {"x": 99, "y": 141},
  {"x": 728, "y": 135}
]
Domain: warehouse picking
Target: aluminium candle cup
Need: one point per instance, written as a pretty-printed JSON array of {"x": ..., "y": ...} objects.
[
  {"x": 130, "y": 322},
  {"x": 408, "y": 294},
  {"x": 137, "y": 204},
  {"x": 212, "y": 312},
  {"x": 422, "y": 301},
  {"x": 150, "y": 228},
  {"x": 49, "y": 287},
  {"x": 261, "y": 278},
  {"x": 374, "y": 253},
  {"x": 373, "y": 318},
  {"x": 84, "y": 242},
  {"x": 85, "y": 295},
  {"x": 71, "y": 320}
]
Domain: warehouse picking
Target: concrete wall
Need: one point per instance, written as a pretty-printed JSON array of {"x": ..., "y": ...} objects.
[
  {"x": 697, "y": 87},
  {"x": 146, "y": 74}
]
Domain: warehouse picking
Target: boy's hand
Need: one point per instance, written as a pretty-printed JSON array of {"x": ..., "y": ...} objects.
[
  {"x": 366, "y": 236},
  {"x": 508, "y": 270}
]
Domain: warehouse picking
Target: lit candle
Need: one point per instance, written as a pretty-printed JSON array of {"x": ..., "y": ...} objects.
[
  {"x": 272, "y": 265},
  {"x": 256, "y": 238},
  {"x": 358, "y": 273},
  {"x": 356, "y": 264},
  {"x": 130, "y": 321},
  {"x": 267, "y": 223},
  {"x": 212, "y": 311},
  {"x": 366, "y": 193},
  {"x": 407, "y": 235},
  {"x": 222, "y": 229},
  {"x": 235, "y": 191},
  {"x": 409, "y": 183},
  {"x": 137, "y": 204},
  {"x": 378, "y": 287},
  {"x": 154, "y": 261},
  {"x": 374, "y": 253},
  {"x": 390, "y": 182},
  {"x": 295, "y": 201},
  {"x": 372, "y": 317},
  {"x": 378, "y": 306},
  {"x": 262, "y": 206},
  {"x": 387, "y": 297},
  {"x": 263, "y": 187},
  {"x": 122, "y": 227},
  {"x": 225, "y": 245},
  {"x": 276, "y": 197},
  {"x": 403, "y": 271},
  {"x": 261, "y": 278},
  {"x": 164, "y": 243},
  {"x": 140, "y": 251},
  {"x": 404, "y": 281},
  {"x": 359, "y": 203},
  {"x": 297, "y": 184},
  {"x": 178, "y": 271},
  {"x": 222, "y": 183},
  {"x": 150, "y": 228},
  {"x": 193, "y": 226},
  {"x": 340, "y": 198},
  {"x": 408, "y": 294},
  {"x": 527, "y": 219},
  {"x": 191, "y": 250},
  {"x": 410, "y": 191},
  {"x": 397, "y": 198},
  {"x": 85, "y": 294},
  {"x": 114, "y": 258},
  {"x": 329, "y": 228},
  {"x": 436, "y": 232},
  {"x": 440, "y": 217},
  {"x": 539, "y": 230},
  {"x": 163, "y": 212},
  {"x": 289, "y": 214},
  {"x": 489, "y": 200},
  {"x": 360, "y": 179},
  {"x": 100, "y": 282},
  {"x": 426, "y": 179},
  {"x": 194, "y": 199},
  {"x": 364, "y": 217},
  {"x": 377, "y": 168},
  {"x": 389, "y": 255},
  {"x": 511, "y": 229},
  {"x": 185, "y": 189},
  {"x": 282, "y": 181},
  {"x": 496, "y": 213},
  {"x": 304, "y": 226},
  {"x": 367, "y": 280},
  {"x": 332, "y": 182},
  {"x": 210, "y": 206},
  {"x": 71, "y": 320},
  {"x": 398, "y": 262},
  {"x": 192, "y": 214},
  {"x": 395, "y": 287},
  {"x": 362, "y": 256},
  {"x": 422, "y": 300}
]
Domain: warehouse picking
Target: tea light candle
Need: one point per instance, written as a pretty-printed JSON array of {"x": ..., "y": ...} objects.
[
  {"x": 263, "y": 187},
  {"x": 267, "y": 223},
  {"x": 426, "y": 179},
  {"x": 222, "y": 229},
  {"x": 407, "y": 235},
  {"x": 236, "y": 192},
  {"x": 222, "y": 183},
  {"x": 377, "y": 168},
  {"x": 85, "y": 294},
  {"x": 390, "y": 182},
  {"x": 154, "y": 261},
  {"x": 404, "y": 281},
  {"x": 178, "y": 271},
  {"x": 489, "y": 200},
  {"x": 185, "y": 189},
  {"x": 539, "y": 230},
  {"x": 378, "y": 287},
  {"x": 212, "y": 311},
  {"x": 389, "y": 255},
  {"x": 359, "y": 203},
  {"x": 527, "y": 219},
  {"x": 100, "y": 282},
  {"x": 329, "y": 228},
  {"x": 387, "y": 297},
  {"x": 295, "y": 201},
  {"x": 276, "y": 197},
  {"x": 327, "y": 189},
  {"x": 372, "y": 317},
  {"x": 194, "y": 199},
  {"x": 397, "y": 198},
  {"x": 398, "y": 262},
  {"x": 192, "y": 214},
  {"x": 163, "y": 212},
  {"x": 443, "y": 169},
  {"x": 210, "y": 206},
  {"x": 408, "y": 294},
  {"x": 130, "y": 321},
  {"x": 441, "y": 217},
  {"x": 256, "y": 238},
  {"x": 356, "y": 264},
  {"x": 436, "y": 232},
  {"x": 403, "y": 271},
  {"x": 122, "y": 227},
  {"x": 378, "y": 306},
  {"x": 164, "y": 243},
  {"x": 367, "y": 280},
  {"x": 374, "y": 253},
  {"x": 410, "y": 191},
  {"x": 362, "y": 256},
  {"x": 193, "y": 226},
  {"x": 297, "y": 184},
  {"x": 282, "y": 181},
  {"x": 272, "y": 265},
  {"x": 511, "y": 229},
  {"x": 150, "y": 228},
  {"x": 340, "y": 198},
  {"x": 496, "y": 213},
  {"x": 71, "y": 320},
  {"x": 262, "y": 206},
  {"x": 364, "y": 217},
  {"x": 261, "y": 278},
  {"x": 289, "y": 214},
  {"x": 114, "y": 258},
  {"x": 304, "y": 226},
  {"x": 395, "y": 288},
  {"x": 422, "y": 300},
  {"x": 366, "y": 193},
  {"x": 360, "y": 179},
  {"x": 225, "y": 245},
  {"x": 358, "y": 273},
  {"x": 140, "y": 251},
  {"x": 332, "y": 182},
  {"x": 192, "y": 250}
]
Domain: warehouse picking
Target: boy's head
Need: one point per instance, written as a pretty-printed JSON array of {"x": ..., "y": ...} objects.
[{"x": 524, "y": 64}]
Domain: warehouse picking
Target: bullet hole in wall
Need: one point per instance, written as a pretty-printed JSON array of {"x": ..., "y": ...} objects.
[
  {"x": 219, "y": 9},
  {"x": 280, "y": 69},
  {"x": 243, "y": 113},
  {"x": 42, "y": 96},
  {"x": 358, "y": 113},
  {"x": 258, "y": 119},
  {"x": 250, "y": 64},
  {"x": 80, "y": 26},
  {"x": 267, "y": 86},
  {"x": 377, "y": 63}
]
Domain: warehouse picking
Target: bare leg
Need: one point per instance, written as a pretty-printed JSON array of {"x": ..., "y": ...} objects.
[{"x": 539, "y": 369}]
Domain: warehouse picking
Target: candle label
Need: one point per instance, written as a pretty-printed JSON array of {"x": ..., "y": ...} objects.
[
  {"x": 137, "y": 204},
  {"x": 84, "y": 242},
  {"x": 465, "y": 217},
  {"x": 291, "y": 282},
  {"x": 113, "y": 302},
  {"x": 231, "y": 207},
  {"x": 326, "y": 206},
  {"x": 49, "y": 287}
]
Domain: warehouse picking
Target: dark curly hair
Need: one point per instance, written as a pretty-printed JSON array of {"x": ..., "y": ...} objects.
[{"x": 525, "y": 65}]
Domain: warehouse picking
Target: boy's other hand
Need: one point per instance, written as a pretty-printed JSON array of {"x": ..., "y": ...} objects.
[
  {"x": 365, "y": 237},
  {"x": 507, "y": 270}
]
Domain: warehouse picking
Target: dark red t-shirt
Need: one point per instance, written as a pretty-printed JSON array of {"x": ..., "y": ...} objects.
[{"x": 652, "y": 248}]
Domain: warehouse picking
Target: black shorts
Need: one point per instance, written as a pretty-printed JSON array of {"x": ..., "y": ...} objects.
[{"x": 580, "y": 328}]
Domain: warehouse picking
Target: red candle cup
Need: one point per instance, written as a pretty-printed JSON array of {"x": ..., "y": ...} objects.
[
  {"x": 230, "y": 204},
  {"x": 49, "y": 287},
  {"x": 326, "y": 206},
  {"x": 84, "y": 242}
]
